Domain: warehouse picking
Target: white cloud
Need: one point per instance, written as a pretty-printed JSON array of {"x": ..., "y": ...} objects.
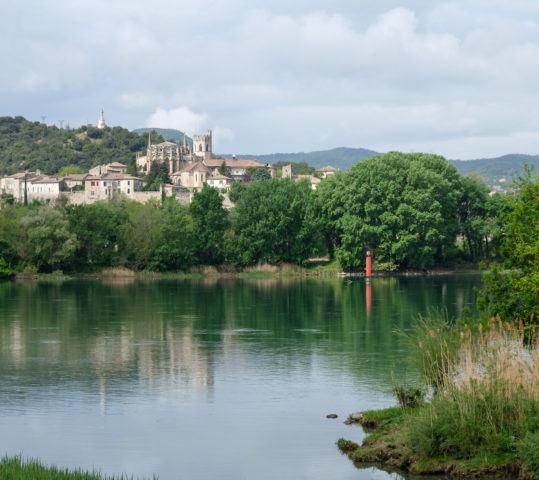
[{"x": 181, "y": 118}]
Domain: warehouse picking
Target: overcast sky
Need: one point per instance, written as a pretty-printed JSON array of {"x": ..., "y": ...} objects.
[{"x": 458, "y": 78}]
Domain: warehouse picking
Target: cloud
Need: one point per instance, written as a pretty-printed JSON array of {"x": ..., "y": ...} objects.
[{"x": 181, "y": 118}]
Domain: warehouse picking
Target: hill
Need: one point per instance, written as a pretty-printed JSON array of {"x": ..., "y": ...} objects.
[
  {"x": 341, "y": 158},
  {"x": 34, "y": 145},
  {"x": 169, "y": 134}
]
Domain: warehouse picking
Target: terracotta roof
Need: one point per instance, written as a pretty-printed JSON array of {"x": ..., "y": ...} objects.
[
  {"x": 327, "y": 168},
  {"x": 48, "y": 180},
  {"x": 219, "y": 177},
  {"x": 231, "y": 162},
  {"x": 119, "y": 176},
  {"x": 195, "y": 166},
  {"x": 29, "y": 175},
  {"x": 116, "y": 164}
]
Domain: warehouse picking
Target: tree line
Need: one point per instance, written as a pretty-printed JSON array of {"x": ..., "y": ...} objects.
[{"x": 411, "y": 211}]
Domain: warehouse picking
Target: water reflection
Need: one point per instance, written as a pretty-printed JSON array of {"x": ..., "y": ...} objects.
[{"x": 239, "y": 365}]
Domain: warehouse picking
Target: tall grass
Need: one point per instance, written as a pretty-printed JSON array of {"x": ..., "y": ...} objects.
[
  {"x": 487, "y": 392},
  {"x": 15, "y": 468}
]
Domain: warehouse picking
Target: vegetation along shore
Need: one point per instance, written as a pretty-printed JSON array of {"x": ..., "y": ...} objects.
[{"x": 477, "y": 413}]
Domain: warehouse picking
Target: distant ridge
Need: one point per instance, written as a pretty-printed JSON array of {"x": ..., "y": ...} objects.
[
  {"x": 490, "y": 170},
  {"x": 169, "y": 134}
]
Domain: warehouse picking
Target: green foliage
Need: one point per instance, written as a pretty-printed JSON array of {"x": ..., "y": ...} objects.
[
  {"x": 34, "y": 145},
  {"x": 236, "y": 190},
  {"x": 224, "y": 170},
  {"x": 401, "y": 207},
  {"x": 70, "y": 170},
  {"x": 48, "y": 239},
  {"x": 210, "y": 223},
  {"x": 528, "y": 452},
  {"x": 409, "y": 397},
  {"x": 513, "y": 292},
  {"x": 97, "y": 227},
  {"x": 298, "y": 168},
  {"x": 260, "y": 174},
  {"x": 157, "y": 176},
  {"x": 15, "y": 468},
  {"x": 176, "y": 246},
  {"x": 270, "y": 223}
]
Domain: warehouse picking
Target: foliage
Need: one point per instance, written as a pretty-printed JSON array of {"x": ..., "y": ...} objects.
[
  {"x": 513, "y": 293},
  {"x": 298, "y": 168},
  {"x": 486, "y": 399},
  {"x": 401, "y": 207},
  {"x": 236, "y": 190},
  {"x": 224, "y": 170},
  {"x": 269, "y": 223},
  {"x": 70, "y": 170},
  {"x": 157, "y": 176},
  {"x": 409, "y": 397},
  {"x": 176, "y": 246},
  {"x": 48, "y": 240},
  {"x": 260, "y": 174},
  {"x": 15, "y": 468},
  {"x": 34, "y": 145},
  {"x": 210, "y": 223}
]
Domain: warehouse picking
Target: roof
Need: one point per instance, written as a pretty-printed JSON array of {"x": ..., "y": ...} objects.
[
  {"x": 233, "y": 162},
  {"x": 167, "y": 144},
  {"x": 219, "y": 177},
  {"x": 48, "y": 180},
  {"x": 116, "y": 164},
  {"x": 29, "y": 175},
  {"x": 195, "y": 166},
  {"x": 112, "y": 176},
  {"x": 76, "y": 176},
  {"x": 327, "y": 168}
]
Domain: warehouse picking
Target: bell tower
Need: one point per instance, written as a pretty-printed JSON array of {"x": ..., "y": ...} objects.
[
  {"x": 101, "y": 124},
  {"x": 202, "y": 145}
]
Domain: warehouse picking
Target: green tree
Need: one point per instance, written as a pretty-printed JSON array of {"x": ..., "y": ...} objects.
[
  {"x": 97, "y": 227},
  {"x": 176, "y": 246},
  {"x": 210, "y": 223},
  {"x": 157, "y": 176},
  {"x": 260, "y": 174},
  {"x": 512, "y": 290},
  {"x": 224, "y": 170},
  {"x": 70, "y": 170},
  {"x": 51, "y": 244},
  {"x": 401, "y": 207},
  {"x": 236, "y": 190},
  {"x": 269, "y": 223}
]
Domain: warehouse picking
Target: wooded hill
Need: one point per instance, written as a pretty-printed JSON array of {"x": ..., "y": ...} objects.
[{"x": 34, "y": 145}]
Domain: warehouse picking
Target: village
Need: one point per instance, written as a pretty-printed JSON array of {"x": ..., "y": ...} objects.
[{"x": 190, "y": 167}]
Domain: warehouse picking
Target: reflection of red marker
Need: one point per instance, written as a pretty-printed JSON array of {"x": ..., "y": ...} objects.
[
  {"x": 368, "y": 264},
  {"x": 369, "y": 300}
]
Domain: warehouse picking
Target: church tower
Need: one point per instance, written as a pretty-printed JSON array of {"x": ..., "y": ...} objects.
[
  {"x": 202, "y": 146},
  {"x": 101, "y": 124}
]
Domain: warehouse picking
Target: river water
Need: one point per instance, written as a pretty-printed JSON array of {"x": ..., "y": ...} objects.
[{"x": 205, "y": 379}]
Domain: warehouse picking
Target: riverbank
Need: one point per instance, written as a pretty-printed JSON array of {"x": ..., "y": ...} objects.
[
  {"x": 482, "y": 417},
  {"x": 15, "y": 468},
  {"x": 316, "y": 269},
  {"x": 387, "y": 448}
]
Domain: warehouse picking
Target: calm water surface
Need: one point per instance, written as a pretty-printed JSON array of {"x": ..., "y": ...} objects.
[{"x": 208, "y": 379}]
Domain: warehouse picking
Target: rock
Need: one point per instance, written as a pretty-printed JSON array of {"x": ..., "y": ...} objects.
[
  {"x": 332, "y": 415},
  {"x": 348, "y": 422},
  {"x": 356, "y": 417}
]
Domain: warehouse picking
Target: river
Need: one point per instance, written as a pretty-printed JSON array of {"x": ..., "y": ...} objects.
[{"x": 206, "y": 379}]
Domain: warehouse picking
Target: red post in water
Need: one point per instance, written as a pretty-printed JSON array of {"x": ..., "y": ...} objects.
[
  {"x": 369, "y": 297},
  {"x": 368, "y": 264}
]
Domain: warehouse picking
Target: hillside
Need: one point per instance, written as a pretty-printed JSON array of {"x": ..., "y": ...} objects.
[
  {"x": 169, "y": 134},
  {"x": 34, "y": 145}
]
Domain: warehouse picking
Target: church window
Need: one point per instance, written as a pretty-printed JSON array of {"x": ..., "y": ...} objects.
[{"x": 200, "y": 147}]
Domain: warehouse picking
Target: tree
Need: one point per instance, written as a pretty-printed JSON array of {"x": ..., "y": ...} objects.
[
  {"x": 401, "y": 207},
  {"x": 512, "y": 290},
  {"x": 157, "y": 176},
  {"x": 175, "y": 249},
  {"x": 260, "y": 174},
  {"x": 70, "y": 170},
  {"x": 236, "y": 190},
  {"x": 210, "y": 223},
  {"x": 224, "y": 170},
  {"x": 51, "y": 245},
  {"x": 269, "y": 223}
]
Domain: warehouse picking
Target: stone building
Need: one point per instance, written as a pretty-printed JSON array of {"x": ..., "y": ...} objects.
[{"x": 101, "y": 124}]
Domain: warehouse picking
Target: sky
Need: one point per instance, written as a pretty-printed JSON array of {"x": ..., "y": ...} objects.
[{"x": 456, "y": 78}]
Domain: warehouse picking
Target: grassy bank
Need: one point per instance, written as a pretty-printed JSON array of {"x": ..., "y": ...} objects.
[
  {"x": 15, "y": 468},
  {"x": 482, "y": 417}
]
